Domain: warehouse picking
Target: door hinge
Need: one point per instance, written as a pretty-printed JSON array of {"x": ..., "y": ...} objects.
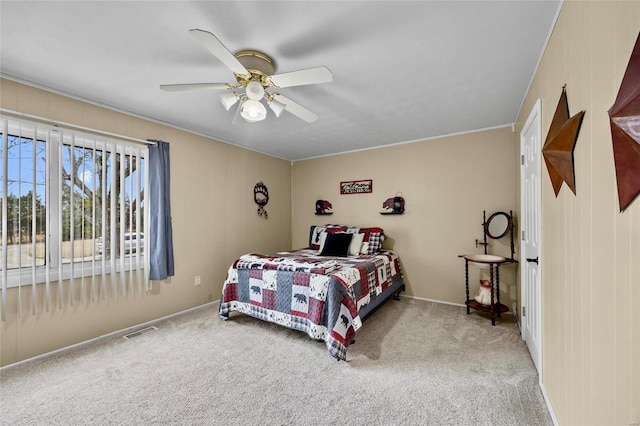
[
  {"x": 524, "y": 311},
  {"x": 522, "y": 160},
  {"x": 523, "y": 235}
]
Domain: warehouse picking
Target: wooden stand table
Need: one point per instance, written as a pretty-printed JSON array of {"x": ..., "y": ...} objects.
[{"x": 495, "y": 308}]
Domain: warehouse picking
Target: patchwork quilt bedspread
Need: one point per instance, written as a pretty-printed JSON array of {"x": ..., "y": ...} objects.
[{"x": 318, "y": 295}]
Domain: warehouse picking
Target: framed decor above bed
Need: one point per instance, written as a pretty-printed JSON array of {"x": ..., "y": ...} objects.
[
  {"x": 325, "y": 290},
  {"x": 356, "y": 187}
]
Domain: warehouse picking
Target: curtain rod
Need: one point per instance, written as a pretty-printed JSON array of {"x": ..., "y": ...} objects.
[{"x": 74, "y": 126}]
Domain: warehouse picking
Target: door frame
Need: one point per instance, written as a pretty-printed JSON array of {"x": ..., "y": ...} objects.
[{"x": 534, "y": 119}]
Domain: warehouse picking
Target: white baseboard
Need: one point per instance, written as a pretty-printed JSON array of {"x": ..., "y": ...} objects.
[
  {"x": 433, "y": 300},
  {"x": 549, "y": 406},
  {"x": 113, "y": 333}
]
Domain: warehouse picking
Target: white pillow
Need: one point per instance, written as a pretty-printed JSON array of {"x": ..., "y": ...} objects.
[
  {"x": 365, "y": 248},
  {"x": 356, "y": 244}
]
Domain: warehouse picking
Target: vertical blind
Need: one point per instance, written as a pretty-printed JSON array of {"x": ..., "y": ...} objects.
[{"x": 73, "y": 217}]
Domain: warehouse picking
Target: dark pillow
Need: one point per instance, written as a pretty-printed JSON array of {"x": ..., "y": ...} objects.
[{"x": 337, "y": 244}]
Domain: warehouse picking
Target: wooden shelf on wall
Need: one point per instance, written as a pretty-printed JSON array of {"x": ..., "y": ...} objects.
[{"x": 324, "y": 214}]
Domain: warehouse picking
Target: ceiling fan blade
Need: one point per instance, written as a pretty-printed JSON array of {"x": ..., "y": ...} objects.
[
  {"x": 193, "y": 86},
  {"x": 296, "y": 109},
  {"x": 216, "y": 47},
  {"x": 302, "y": 77}
]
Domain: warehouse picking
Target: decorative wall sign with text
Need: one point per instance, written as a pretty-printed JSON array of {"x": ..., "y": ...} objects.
[
  {"x": 560, "y": 143},
  {"x": 356, "y": 187},
  {"x": 624, "y": 117}
]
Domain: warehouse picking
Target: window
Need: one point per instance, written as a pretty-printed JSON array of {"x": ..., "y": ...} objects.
[{"x": 72, "y": 204}]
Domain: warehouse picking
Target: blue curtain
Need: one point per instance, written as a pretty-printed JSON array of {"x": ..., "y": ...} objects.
[{"x": 161, "y": 238}]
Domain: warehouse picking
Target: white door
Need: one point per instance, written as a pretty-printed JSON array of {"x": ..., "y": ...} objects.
[{"x": 531, "y": 291}]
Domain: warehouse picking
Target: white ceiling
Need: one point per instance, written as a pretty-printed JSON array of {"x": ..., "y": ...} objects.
[{"x": 403, "y": 71}]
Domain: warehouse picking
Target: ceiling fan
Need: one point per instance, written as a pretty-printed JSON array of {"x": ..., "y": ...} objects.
[{"x": 254, "y": 73}]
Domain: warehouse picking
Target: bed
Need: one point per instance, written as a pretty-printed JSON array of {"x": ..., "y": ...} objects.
[{"x": 323, "y": 290}]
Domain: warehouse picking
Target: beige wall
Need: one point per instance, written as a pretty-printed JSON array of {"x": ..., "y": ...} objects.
[
  {"x": 590, "y": 251},
  {"x": 214, "y": 221},
  {"x": 446, "y": 183}
]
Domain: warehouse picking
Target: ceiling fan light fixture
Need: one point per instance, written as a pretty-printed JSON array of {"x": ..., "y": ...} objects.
[
  {"x": 276, "y": 107},
  {"x": 228, "y": 100},
  {"x": 255, "y": 91},
  {"x": 252, "y": 111},
  {"x": 255, "y": 73}
]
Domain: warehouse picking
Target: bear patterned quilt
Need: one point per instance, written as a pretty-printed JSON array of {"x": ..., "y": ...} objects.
[{"x": 318, "y": 295}]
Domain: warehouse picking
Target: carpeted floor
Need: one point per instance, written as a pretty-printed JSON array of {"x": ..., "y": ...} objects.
[{"x": 413, "y": 363}]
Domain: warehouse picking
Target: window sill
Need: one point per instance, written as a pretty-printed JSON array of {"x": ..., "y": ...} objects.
[{"x": 25, "y": 276}]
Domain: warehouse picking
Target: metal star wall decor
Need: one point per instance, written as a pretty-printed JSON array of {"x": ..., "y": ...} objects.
[
  {"x": 624, "y": 117},
  {"x": 560, "y": 143}
]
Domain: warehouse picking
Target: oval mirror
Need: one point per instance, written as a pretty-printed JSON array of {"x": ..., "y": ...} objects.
[{"x": 498, "y": 225}]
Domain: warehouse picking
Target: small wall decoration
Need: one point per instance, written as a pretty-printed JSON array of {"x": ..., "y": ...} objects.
[
  {"x": 322, "y": 206},
  {"x": 395, "y": 204},
  {"x": 356, "y": 187},
  {"x": 560, "y": 143},
  {"x": 624, "y": 117},
  {"x": 261, "y": 197}
]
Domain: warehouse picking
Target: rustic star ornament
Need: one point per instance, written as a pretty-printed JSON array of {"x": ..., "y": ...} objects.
[
  {"x": 624, "y": 117},
  {"x": 560, "y": 143}
]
